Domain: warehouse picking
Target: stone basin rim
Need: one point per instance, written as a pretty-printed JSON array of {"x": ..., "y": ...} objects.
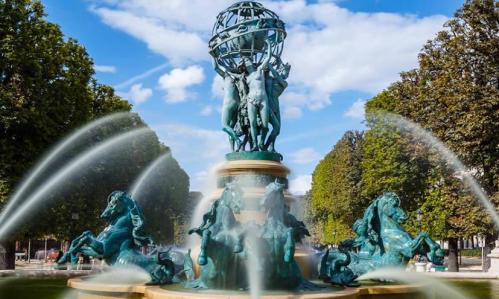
[{"x": 157, "y": 292}]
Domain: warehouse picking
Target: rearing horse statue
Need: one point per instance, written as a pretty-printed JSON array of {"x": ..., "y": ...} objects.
[
  {"x": 397, "y": 246},
  {"x": 279, "y": 234},
  {"x": 120, "y": 242},
  {"x": 221, "y": 242},
  {"x": 381, "y": 242}
]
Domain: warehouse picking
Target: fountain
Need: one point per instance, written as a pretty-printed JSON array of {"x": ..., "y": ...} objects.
[{"x": 249, "y": 241}]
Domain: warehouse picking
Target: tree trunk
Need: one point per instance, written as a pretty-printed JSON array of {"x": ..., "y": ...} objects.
[
  {"x": 460, "y": 247},
  {"x": 8, "y": 255},
  {"x": 452, "y": 263}
]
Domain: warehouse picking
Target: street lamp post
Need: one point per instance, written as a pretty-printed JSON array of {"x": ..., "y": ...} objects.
[
  {"x": 74, "y": 219},
  {"x": 419, "y": 217},
  {"x": 334, "y": 237}
]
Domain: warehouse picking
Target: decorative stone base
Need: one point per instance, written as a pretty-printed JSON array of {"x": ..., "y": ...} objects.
[
  {"x": 252, "y": 176},
  {"x": 92, "y": 290},
  {"x": 254, "y": 156},
  {"x": 252, "y": 173}
]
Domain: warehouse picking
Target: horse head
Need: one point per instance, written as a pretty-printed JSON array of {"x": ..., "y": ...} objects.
[
  {"x": 273, "y": 197},
  {"x": 119, "y": 204},
  {"x": 232, "y": 197},
  {"x": 389, "y": 205}
]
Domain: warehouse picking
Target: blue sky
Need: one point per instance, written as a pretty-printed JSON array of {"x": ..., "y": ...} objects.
[{"x": 154, "y": 52}]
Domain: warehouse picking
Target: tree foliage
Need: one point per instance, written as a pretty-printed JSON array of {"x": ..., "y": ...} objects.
[
  {"x": 47, "y": 90},
  {"x": 334, "y": 197},
  {"x": 454, "y": 93},
  {"x": 455, "y": 90},
  {"x": 392, "y": 161}
]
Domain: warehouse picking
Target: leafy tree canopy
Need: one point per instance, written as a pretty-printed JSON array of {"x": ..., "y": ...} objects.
[{"x": 47, "y": 90}]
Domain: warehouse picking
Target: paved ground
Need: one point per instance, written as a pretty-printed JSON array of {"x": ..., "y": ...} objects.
[{"x": 468, "y": 264}]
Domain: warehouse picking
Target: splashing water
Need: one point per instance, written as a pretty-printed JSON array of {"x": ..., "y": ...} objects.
[
  {"x": 449, "y": 156},
  {"x": 144, "y": 176},
  {"x": 123, "y": 274},
  {"x": 60, "y": 148},
  {"x": 430, "y": 285},
  {"x": 252, "y": 266},
  {"x": 73, "y": 166},
  {"x": 203, "y": 205}
]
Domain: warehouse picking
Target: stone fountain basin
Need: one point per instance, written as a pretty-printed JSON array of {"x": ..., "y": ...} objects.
[{"x": 94, "y": 290}]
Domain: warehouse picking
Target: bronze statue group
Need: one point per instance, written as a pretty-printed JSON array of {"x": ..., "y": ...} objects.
[{"x": 251, "y": 101}]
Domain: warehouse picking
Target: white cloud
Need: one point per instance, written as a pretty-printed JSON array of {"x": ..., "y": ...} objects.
[
  {"x": 356, "y": 111},
  {"x": 330, "y": 48},
  {"x": 300, "y": 185},
  {"x": 304, "y": 156},
  {"x": 178, "y": 46},
  {"x": 292, "y": 112},
  {"x": 217, "y": 87},
  {"x": 176, "y": 82},
  {"x": 137, "y": 94},
  {"x": 197, "y": 149},
  {"x": 207, "y": 110},
  {"x": 105, "y": 68},
  {"x": 187, "y": 141},
  {"x": 177, "y": 29},
  {"x": 141, "y": 76}
]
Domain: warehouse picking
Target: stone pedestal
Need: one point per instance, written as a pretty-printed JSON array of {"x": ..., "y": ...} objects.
[
  {"x": 252, "y": 176},
  {"x": 494, "y": 260}
]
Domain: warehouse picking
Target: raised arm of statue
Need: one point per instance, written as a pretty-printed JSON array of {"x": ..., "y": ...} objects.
[{"x": 266, "y": 61}]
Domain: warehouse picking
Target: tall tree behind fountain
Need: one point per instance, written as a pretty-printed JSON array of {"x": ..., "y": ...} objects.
[
  {"x": 46, "y": 91},
  {"x": 454, "y": 94}
]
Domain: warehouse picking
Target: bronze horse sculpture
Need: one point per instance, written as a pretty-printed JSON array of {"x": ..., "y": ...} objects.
[
  {"x": 381, "y": 242},
  {"x": 221, "y": 242},
  {"x": 120, "y": 242}
]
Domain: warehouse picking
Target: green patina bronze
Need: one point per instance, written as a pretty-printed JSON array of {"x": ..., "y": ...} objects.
[
  {"x": 246, "y": 47},
  {"x": 251, "y": 180},
  {"x": 381, "y": 242},
  {"x": 120, "y": 242},
  {"x": 262, "y": 155},
  {"x": 227, "y": 245}
]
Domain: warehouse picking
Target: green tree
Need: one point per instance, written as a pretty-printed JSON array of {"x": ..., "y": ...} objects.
[
  {"x": 454, "y": 93},
  {"x": 46, "y": 91},
  {"x": 334, "y": 198},
  {"x": 391, "y": 163}
]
